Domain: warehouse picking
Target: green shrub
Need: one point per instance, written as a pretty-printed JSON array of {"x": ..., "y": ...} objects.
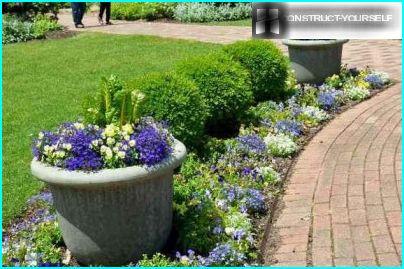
[
  {"x": 176, "y": 99},
  {"x": 43, "y": 24},
  {"x": 145, "y": 11},
  {"x": 48, "y": 239},
  {"x": 267, "y": 65},
  {"x": 16, "y": 29},
  {"x": 207, "y": 12},
  {"x": 225, "y": 85},
  {"x": 31, "y": 9}
]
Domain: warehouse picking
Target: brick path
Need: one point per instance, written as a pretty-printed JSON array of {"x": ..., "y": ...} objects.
[
  {"x": 342, "y": 205},
  {"x": 204, "y": 33}
]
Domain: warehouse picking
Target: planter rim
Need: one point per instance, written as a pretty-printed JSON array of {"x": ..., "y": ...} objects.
[
  {"x": 311, "y": 43},
  {"x": 58, "y": 176}
]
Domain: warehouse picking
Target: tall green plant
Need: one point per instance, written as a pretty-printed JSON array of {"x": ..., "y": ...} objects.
[{"x": 113, "y": 104}]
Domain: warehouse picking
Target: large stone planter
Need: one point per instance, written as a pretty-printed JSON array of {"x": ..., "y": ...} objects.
[
  {"x": 113, "y": 216},
  {"x": 315, "y": 60}
]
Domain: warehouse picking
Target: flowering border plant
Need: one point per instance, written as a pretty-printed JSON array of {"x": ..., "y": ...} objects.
[
  {"x": 76, "y": 146},
  {"x": 218, "y": 201}
]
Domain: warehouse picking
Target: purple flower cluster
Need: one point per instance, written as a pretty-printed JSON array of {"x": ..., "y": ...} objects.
[
  {"x": 152, "y": 146},
  {"x": 251, "y": 144},
  {"x": 75, "y": 146},
  {"x": 255, "y": 201},
  {"x": 289, "y": 127},
  {"x": 83, "y": 156}
]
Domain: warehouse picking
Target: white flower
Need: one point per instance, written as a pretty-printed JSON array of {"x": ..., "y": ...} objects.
[
  {"x": 127, "y": 128},
  {"x": 356, "y": 93},
  {"x": 229, "y": 230},
  {"x": 125, "y": 147},
  {"x": 94, "y": 142},
  {"x": 103, "y": 149},
  {"x": 280, "y": 145},
  {"x": 110, "y": 130},
  {"x": 121, "y": 154},
  {"x": 108, "y": 154},
  {"x": 40, "y": 135},
  {"x": 315, "y": 113},
  {"x": 132, "y": 143},
  {"x": 110, "y": 141},
  {"x": 126, "y": 137},
  {"x": 78, "y": 126},
  {"x": 67, "y": 146},
  {"x": 115, "y": 149},
  {"x": 48, "y": 150},
  {"x": 60, "y": 153}
]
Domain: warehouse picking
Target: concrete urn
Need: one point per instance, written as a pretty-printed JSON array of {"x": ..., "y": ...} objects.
[
  {"x": 315, "y": 60},
  {"x": 113, "y": 216}
]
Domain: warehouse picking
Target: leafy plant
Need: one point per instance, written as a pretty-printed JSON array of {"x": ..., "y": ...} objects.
[
  {"x": 208, "y": 12},
  {"x": 43, "y": 24},
  {"x": 47, "y": 240},
  {"x": 268, "y": 67},
  {"x": 16, "y": 30},
  {"x": 113, "y": 104},
  {"x": 137, "y": 11}
]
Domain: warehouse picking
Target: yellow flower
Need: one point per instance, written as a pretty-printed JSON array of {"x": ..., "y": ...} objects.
[
  {"x": 127, "y": 128},
  {"x": 110, "y": 130}
]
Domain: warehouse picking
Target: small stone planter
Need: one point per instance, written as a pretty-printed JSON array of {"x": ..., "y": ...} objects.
[
  {"x": 113, "y": 216},
  {"x": 315, "y": 60}
]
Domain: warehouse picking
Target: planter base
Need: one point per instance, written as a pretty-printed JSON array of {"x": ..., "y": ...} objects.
[{"x": 315, "y": 60}]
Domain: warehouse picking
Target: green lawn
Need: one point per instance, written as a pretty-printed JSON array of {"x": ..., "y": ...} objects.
[{"x": 44, "y": 83}]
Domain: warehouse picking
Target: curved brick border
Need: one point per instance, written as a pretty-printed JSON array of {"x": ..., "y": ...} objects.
[{"x": 342, "y": 205}]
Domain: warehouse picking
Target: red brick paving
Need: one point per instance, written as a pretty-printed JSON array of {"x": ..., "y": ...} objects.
[
  {"x": 350, "y": 174},
  {"x": 342, "y": 205}
]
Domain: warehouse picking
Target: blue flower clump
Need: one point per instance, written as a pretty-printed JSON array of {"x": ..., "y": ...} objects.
[
  {"x": 328, "y": 99},
  {"x": 291, "y": 127},
  {"x": 251, "y": 144},
  {"x": 375, "y": 80}
]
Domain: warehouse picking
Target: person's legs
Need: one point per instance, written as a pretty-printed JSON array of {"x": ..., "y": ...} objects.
[
  {"x": 75, "y": 12},
  {"x": 82, "y": 11},
  {"x": 108, "y": 12},
  {"x": 102, "y": 9}
]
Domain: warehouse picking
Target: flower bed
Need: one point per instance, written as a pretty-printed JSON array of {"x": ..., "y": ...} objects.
[{"x": 219, "y": 200}]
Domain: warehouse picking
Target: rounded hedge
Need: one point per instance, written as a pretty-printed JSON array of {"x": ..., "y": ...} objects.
[
  {"x": 224, "y": 83},
  {"x": 267, "y": 65},
  {"x": 176, "y": 99}
]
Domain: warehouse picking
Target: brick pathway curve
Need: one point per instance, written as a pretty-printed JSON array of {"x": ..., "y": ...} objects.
[{"x": 342, "y": 205}]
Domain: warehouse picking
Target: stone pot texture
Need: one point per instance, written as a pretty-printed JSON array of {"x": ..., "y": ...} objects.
[
  {"x": 315, "y": 60},
  {"x": 113, "y": 216}
]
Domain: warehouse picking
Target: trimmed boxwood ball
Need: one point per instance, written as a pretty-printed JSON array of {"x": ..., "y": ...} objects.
[
  {"x": 175, "y": 99},
  {"x": 267, "y": 65},
  {"x": 225, "y": 84}
]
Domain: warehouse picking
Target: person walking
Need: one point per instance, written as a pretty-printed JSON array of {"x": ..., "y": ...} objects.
[
  {"x": 78, "y": 10},
  {"x": 105, "y": 6}
]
